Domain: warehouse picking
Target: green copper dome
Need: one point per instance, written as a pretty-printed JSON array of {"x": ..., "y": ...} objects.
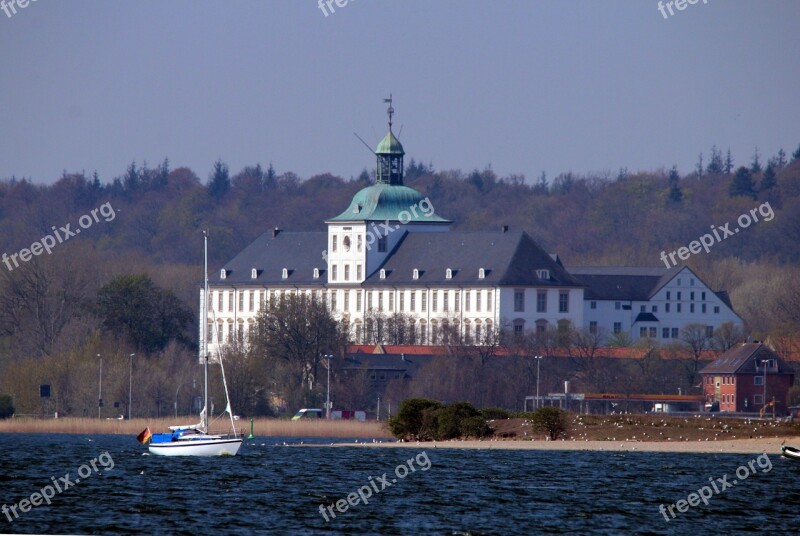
[
  {"x": 381, "y": 202},
  {"x": 390, "y": 145}
]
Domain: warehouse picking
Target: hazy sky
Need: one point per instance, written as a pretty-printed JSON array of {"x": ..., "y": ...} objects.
[{"x": 522, "y": 85}]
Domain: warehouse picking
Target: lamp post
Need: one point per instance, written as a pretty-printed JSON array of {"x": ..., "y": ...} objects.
[
  {"x": 327, "y": 364},
  {"x": 538, "y": 359},
  {"x": 100, "y": 389},
  {"x": 130, "y": 384}
]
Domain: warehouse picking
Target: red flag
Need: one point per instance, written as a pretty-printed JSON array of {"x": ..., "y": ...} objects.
[{"x": 145, "y": 436}]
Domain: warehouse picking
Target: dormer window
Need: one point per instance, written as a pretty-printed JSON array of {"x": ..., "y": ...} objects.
[
  {"x": 415, "y": 274},
  {"x": 285, "y": 273},
  {"x": 448, "y": 274},
  {"x": 253, "y": 274},
  {"x": 316, "y": 273},
  {"x": 481, "y": 273},
  {"x": 543, "y": 274},
  {"x": 383, "y": 274},
  {"x": 223, "y": 273}
]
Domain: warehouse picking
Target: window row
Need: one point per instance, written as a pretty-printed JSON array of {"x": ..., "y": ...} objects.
[{"x": 541, "y": 301}]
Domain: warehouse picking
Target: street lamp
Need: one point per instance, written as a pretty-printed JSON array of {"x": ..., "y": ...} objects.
[
  {"x": 327, "y": 364},
  {"x": 538, "y": 359},
  {"x": 130, "y": 383},
  {"x": 100, "y": 389}
]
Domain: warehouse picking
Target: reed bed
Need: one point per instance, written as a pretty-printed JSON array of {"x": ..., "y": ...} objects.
[{"x": 261, "y": 427}]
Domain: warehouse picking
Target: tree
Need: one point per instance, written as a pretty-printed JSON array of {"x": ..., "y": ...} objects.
[
  {"x": 695, "y": 338},
  {"x": 551, "y": 420},
  {"x": 755, "y": 164},
  {"x": 727, "y": 336},
  {"x": 742, "y": 184},
  {"x": 715, "y": 165},
  {"x": 219, "y": 182},
  {"x": 675, "y": 193},
  {"x": 699, "y": 167},
  {"x": 728, "y": 162},
  {"x": 6, "y": 406},
  {"x": 768, "y": 180},
  {"x": 148, "y": 316},
  {"x": 416, "y": 419},
  {"x": 781, "y": 158},
  {"x": 796, "y": 154}
]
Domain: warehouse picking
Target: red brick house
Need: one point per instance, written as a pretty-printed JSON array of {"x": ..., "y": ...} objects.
[{"x": 747, "y": 377}]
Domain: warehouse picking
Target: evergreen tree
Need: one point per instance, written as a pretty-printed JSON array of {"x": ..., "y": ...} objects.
[
  {"x": 796, "y": 154},
  {"x": 675, "y": 193},
  {"x": 715, "y": 165},
  {"x": 220, "y": 182},
  {"x": 755, "y": 165},
  {"x": 781, "y": 159},
  {"x": 768, "y": 180},
  {"x": 743, "y": 184},
  {"x": 699, "y": 167},
  {"x": 728, "y": 162}
]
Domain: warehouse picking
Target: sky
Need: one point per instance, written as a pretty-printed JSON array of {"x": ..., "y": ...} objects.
[{"x": 523, "y": 86}]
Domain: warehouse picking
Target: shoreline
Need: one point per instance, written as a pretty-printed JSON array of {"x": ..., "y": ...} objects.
[{"x": 770, "y": 445}]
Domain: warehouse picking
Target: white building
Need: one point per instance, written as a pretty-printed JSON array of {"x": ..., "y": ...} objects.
[{"x": 651, "y": 302}]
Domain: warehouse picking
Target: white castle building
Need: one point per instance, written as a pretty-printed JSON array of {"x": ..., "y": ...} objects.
[{"x": 390, "y": 252}]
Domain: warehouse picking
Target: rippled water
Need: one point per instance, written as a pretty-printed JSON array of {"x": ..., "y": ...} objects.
[{"x": 275, "y": 489}]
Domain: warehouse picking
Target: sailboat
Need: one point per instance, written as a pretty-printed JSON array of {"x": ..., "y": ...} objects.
[{"x": 195, "y": 439}]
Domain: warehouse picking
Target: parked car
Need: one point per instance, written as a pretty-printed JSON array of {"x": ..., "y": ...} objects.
[{"x": 307, "y": 414}]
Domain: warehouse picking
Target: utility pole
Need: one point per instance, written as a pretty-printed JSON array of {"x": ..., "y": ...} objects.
[
  {"x": 327, "y": 364},
  {"x": 100, "y": 389},
  {"x": 130, "y": 384},
  {"x": 538, "y": 359}
]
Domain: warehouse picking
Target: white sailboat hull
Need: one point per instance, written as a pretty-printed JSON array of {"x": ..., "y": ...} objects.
[{"x": 197, "y": 447}]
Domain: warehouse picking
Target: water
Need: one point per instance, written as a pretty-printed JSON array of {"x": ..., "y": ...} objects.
[{"x": 275, "y": 489}]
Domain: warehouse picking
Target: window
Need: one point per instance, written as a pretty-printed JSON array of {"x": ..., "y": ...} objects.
[
  {"x": 481, "y": 273},
  {"x": 448, "y": 274},
  {"x": 641, "y": 308},
  {"x": 423, "y": 332},
  {"x": 563, "y": 301},
  {"x": 593, "y": 327},
  {"x": 691, "y": 282},
  {"x": 434, "y": 300},
  {"x": 666, "y": 307},
  {"x": 346, "y": 308},
  {"x": 716, "y": 310},
  {"x": 679, "y": 296},
  {"x": 230, "y": 301},
  {"x": 677, "y": 307},
  {"x": 654, "y": 308},
  {"x": 333, "y": 300},
  {"x": 617, "y": 306},
  {"x": 391, "y": 301},
  {"x": 643, "y": 332},
  {"x": 478, "y": 301},
  {"x": 347, "y": 272},
  {"x": 424, "y": 303},
  {"x": 668, "y": 295},
  {"x": 334, "y": 242},
  {"x": 262, "y": 299},
  {"x": 665, "y": 333},
  {"x": 758, "y": 380},
  {"x": 703, "y": 296},
  {"x": 382, "y": 244},
  {"x": 593, "y": 305},
  {"x": 703, "y": 308},
  {"x": 518, "y": 329},
  {"x": 709, "y": 331},
  {"x": 467, "y": 295},
  {"x": 679, "y": 284},
  {"x": 316, "y": 273},
  {"x": 369, "y": 300},
  {"x": 415, "y": 274},
  {"x": 285, "y": 273},
  {"x": 675, "y": 333},
  {"x": 346, "y": 243},
  {"x": 445, "y": 300},
  {"x": 519, "y": 301},
  {"x": 382, "y": 274},
  {"x": 489, "y": 300},
  {"x": 358, "y": 272},
  {"x": 478, "y": 335},
  {"x": 253, "y": 274},
  {"x": 617, "y": 328},
  {"x": 758, "y": 400},
  {"x": 457, "y": 304},
  {"x": 223, "y": 274},
  {"x": 359, "y": 247},
  {"x": 652, "y": 332},
  {"x": 380, "y": 300},
  {"x": 402, "y": 301},
  {"x": 252, "y": 300},
  {"x": 691, "y": 307},
  {"x": 543, "y": 274},
  {"x": 358, "y": 301},
  {"x": 220, "y": 299},
  {"x": 541, "y": 301},
  {"x": 691, "y": 295},
  {"x": 334, "y": 272},
  {"x": 412, "y": 300}
]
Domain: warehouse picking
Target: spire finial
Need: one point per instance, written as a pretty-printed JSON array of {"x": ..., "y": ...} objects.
[{"x": 390, "y": 110}]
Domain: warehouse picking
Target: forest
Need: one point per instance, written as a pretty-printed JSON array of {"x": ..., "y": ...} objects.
[{"x": 93, "y": 289}]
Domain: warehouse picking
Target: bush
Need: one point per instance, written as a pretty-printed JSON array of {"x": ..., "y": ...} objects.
[
  {"x": 551, "y": 420},
  {"x": 6, "y": 406},
  {"x": 475, "y": 427},
  {"x": 416, "y": 419},
  {"x": 451, "y": 418},
  {"x": 495, "y": 414}
]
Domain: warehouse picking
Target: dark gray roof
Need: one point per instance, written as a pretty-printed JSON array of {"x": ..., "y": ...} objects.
[
  {"x": 743, "y": 359},
  {"x": 622, "y": 283},
  {"x": 508, "y": 258},
  {"x": 407, "y": 365},
  {"x": 269, "y": 254},
  {"x": 646, "y": 317}
]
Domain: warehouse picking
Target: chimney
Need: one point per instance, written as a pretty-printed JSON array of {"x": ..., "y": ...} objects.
[
  {"x": 275, "y": 232},
  {"x": 505, "y": 228}
]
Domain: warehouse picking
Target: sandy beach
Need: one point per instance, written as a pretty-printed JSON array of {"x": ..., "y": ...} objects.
[{"x": 728, "y": 446}]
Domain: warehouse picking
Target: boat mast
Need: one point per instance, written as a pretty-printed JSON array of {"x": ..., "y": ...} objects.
[{"x": 204, "y": 321}]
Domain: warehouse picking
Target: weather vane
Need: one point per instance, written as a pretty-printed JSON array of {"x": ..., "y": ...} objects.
[{"x": 390, "y": 111}]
